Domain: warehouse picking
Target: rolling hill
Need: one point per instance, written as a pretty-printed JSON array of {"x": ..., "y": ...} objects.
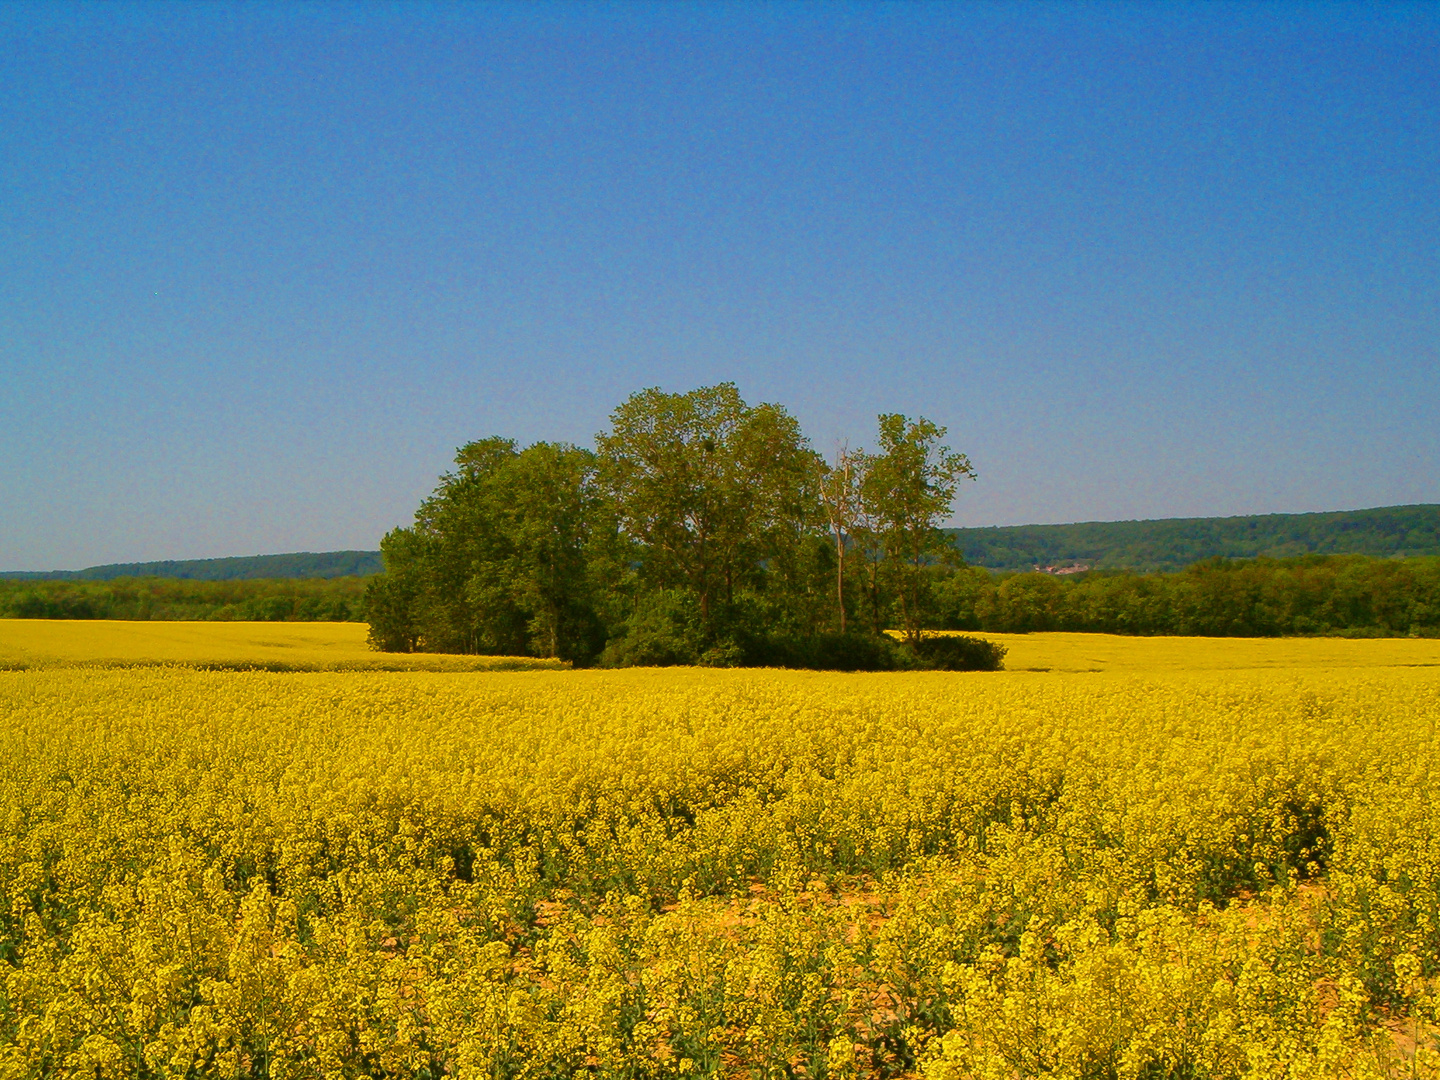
[
  {"x": 299, "y": 564},
  {"x": 1174, "y": 543}
]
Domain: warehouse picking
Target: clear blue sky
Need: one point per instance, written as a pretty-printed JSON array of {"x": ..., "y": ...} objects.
[{"x": 262, "y": 268}]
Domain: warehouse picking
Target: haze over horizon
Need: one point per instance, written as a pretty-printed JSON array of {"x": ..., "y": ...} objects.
[{"x": 263, "y": 267}]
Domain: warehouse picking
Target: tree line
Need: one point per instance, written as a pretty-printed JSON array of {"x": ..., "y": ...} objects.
[
  {"x": 257, "y": 600},
  {"x": 1350, "y": 595},
  {"x": 701, "y": 529}
]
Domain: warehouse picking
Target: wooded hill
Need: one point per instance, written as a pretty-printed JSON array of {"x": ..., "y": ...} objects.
[
  {"x": 298, "y": 564},
  {"x": 1175, "y": 543}
]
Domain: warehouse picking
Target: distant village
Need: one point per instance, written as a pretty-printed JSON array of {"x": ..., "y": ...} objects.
[{"x": 1073, "y": 568}]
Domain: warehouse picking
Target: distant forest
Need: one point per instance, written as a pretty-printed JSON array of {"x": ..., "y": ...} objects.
[
  {"x": 299, "y": 564},
  {"x": 1175, "y": 543}
]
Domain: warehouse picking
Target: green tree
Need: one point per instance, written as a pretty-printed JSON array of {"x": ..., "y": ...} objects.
[
  {"x": 962, "y": 595},
  {"x": 1027, "y": 603},
  {"x": 496, "y": 561},
  {"x": 547, "y": 505},
  {"x": 839, "y": 487},
  {"x": 908, "y": 489},
  {"x": 708, "y": 488},
  {"x": 393, "y": 598},
  {"x": 468, "y": 604}
]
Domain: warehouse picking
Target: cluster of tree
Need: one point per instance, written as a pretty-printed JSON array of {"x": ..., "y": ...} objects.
[
  {"x": 274, "y": 600},
  {"x": 700, "y": 530},
  {"x": 1175, "y": 543},
  {"x": 1353, "y": 595}
]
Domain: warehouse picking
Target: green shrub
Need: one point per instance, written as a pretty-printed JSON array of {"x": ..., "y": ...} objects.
[
  {"x": 959, "y": 652},
  {"x": 828, "y": 652}
]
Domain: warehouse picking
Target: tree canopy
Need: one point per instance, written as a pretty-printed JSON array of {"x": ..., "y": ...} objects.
[
  {"x": 497, "y": 560},
  {"x": 707, "y": 487}
]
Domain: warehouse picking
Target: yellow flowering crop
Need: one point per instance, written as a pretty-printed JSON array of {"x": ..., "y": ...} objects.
[
  {"x": 1111, "y": 868},
  {"x": 271, "y": 646}
]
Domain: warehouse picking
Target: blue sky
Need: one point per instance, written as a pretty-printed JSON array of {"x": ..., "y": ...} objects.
[{"x": 262, "y": 268}]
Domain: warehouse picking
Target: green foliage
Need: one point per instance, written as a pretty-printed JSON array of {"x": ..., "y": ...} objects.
[
  {"x": 497, "y": 560},
  {"x": 390, "y": 607},
  {"x": 1315, "y": 594},
  {"x": 665, "y": 629},
  {"x": 908, "y": 489},
  {"x": 708, "y": 488},
  {"x": 959, "y": 652},
  {"x": 867, "y": 652},
  {"x": 841, "y": 496},
  {"x": 830, "y": 652},
  {"x": 285, "y": 600},
  {"x": 706, "y": 531}
]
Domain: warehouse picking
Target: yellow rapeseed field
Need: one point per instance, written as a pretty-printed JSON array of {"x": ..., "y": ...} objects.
[
  {"x": 1121, "y": 858},
  {"x": 268, "y": 646}
]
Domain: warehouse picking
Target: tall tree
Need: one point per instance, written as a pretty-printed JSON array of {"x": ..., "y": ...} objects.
[
  {"x": 839, "y": 488},
  {"x": 909, "y": 488},
  {"x": 707, "y": 486}
]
